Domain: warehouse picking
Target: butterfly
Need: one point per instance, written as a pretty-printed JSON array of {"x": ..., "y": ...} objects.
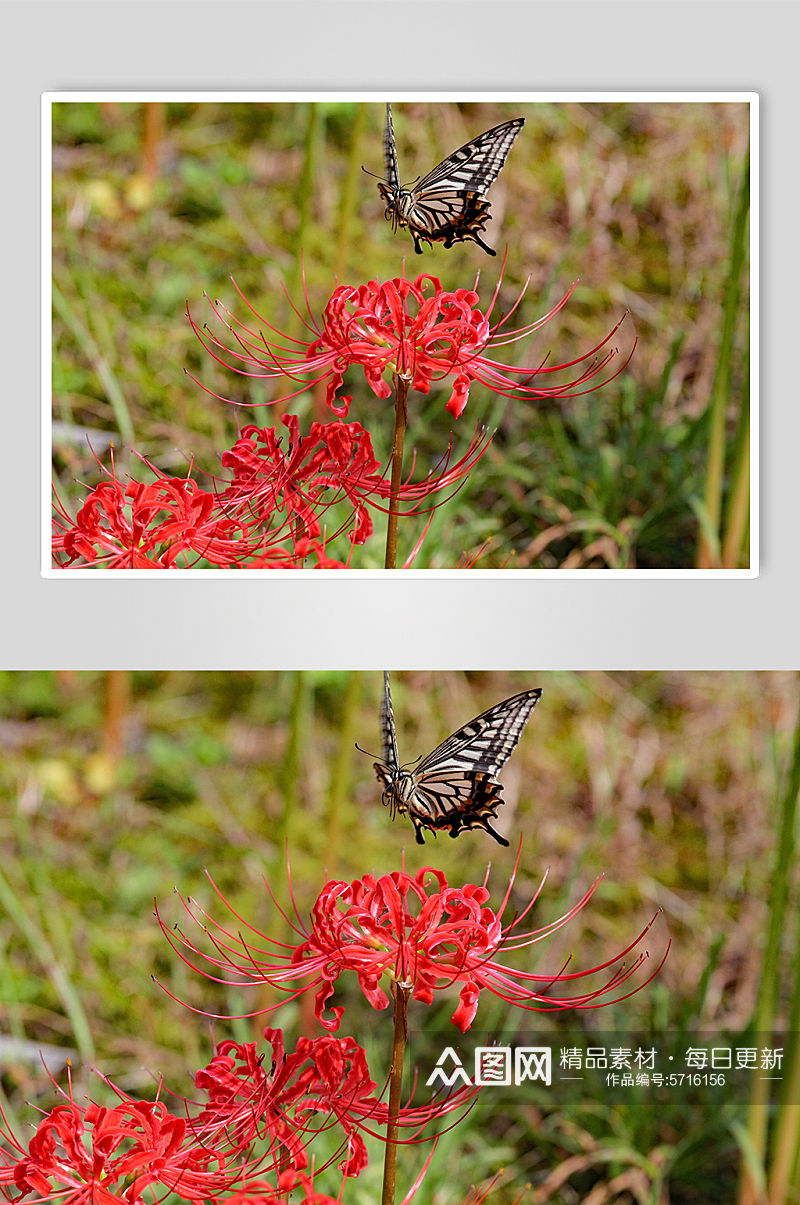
[
  {"x": 454, "y": 787},
  {"x": 449, "y": 204}
]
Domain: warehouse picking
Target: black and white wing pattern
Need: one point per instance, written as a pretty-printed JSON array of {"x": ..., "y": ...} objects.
[
  {"x": 388, "y": 733},
  {"x": 390, "y": 154},
  {"x": 455, "y": 787},
  {"x": 449, "y": 204}
]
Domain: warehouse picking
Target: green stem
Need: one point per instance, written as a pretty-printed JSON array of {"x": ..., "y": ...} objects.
[
  {"x": 17, "y": 909},
  {"x": 400, "y": 993},
  {"x": 400, "y": 422},
  {"x": 304, "y": 197},
  {"x": 723, "y": 380},
  {"x": 766, "y": 1009},
  {"x": 738, "y": 511},
  {"x": 787, "y": 1127}
]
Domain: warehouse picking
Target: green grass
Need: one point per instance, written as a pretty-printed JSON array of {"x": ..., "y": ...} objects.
[
  {"x": 644, "y": 203},
  {"x": 680, "y": 788}
]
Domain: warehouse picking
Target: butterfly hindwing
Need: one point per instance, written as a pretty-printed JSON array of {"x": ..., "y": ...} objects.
[
  {"x": 449, "y": 204},
  {"x": 455, "y": 787},
  {"x": 455, "y": 802}
]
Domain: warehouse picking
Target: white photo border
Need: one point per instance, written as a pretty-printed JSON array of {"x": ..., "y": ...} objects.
[{"x": 49, "y": 99}]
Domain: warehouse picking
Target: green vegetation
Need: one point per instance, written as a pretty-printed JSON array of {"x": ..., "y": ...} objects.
[
  {"x": 680, "y": 788},
  {"x": 646, "y": 204}
]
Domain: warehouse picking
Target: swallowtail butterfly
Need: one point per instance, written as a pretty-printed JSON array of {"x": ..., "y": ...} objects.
[
  {"x": 449, "y": 204},
  {"x": 455, "y": 787}
]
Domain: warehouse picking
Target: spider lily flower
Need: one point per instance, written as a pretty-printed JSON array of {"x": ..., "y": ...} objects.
[
  {"x": 302, "y": 554},
  {"x": 414, "y": 930},
  {"x": 247, "y": 1121},
  {"x": 268, "y": 515},
  {"x": 334, "y": 461},
  {"x": 323, "y": 1077},
  {"x": 336, "y": 457},
  {"x": 148, "y": 525},
  {"x": 108, "y": 1155},
  {"x": 412, "y": 328},
  {"x": 323, "y": 1082}
]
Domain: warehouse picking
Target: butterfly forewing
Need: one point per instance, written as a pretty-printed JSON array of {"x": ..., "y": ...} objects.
[
  {"x": 475, "y": 165},
  {"x": 486, "y": 742}
]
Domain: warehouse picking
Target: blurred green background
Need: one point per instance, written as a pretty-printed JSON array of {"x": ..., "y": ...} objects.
[
  {"x": 680, "y": 787},
  {"x": 155, "y": 204}
]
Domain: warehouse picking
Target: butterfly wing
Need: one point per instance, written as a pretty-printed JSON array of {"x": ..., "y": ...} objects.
[
  {"x": 455, "y": 802},
  {"x": 474, "y": 167},
  {"x": 455, "y": 786},
  {"x": 388, "y": 732},
  {"x": 449, "y": 204},
  {"x": 390, "y": 153},
  {"x": 485, "y": 743}
]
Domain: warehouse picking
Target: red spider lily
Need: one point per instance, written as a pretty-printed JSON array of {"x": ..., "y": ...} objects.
[
  {"x": 336, "y": 457},
  {"x": 147, "y": 525},
  {"x": 94, "y": 1154},
  {"x": 415, "y": 930},
  {"x": 412, "y": 328},
  {"x": 325, "y": 1080},
  {"x": 323, "y": 1076}
]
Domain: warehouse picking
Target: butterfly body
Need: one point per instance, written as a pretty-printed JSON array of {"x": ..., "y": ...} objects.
[
  {"x": 449, "y": 204},
  {"x": 455, "y": 787}
]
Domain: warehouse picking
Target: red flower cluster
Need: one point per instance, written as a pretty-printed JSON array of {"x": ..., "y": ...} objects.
[
  {"x": 411, "y": 929},
  {"x": 253, "y": 1122},
  {"x": 90, "y": 1153},
  {"x": 270, "y": 514},
  {"x": 334, "y": 461},
  {"x": 273, "y": 512},
  {"x": 416, "y": 329},
  {"x": 321, "y": 1077},
  {"x": 148, "y": 526}
]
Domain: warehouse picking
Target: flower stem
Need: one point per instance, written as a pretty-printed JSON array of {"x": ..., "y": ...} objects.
[
  {"x": 723, "y": 388},
  {"x": 401, "y": 994},
  {"x": 400, "y": 421}
]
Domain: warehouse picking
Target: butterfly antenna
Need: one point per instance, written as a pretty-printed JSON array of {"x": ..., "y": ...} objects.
[{"x": 368, "y": 754}]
